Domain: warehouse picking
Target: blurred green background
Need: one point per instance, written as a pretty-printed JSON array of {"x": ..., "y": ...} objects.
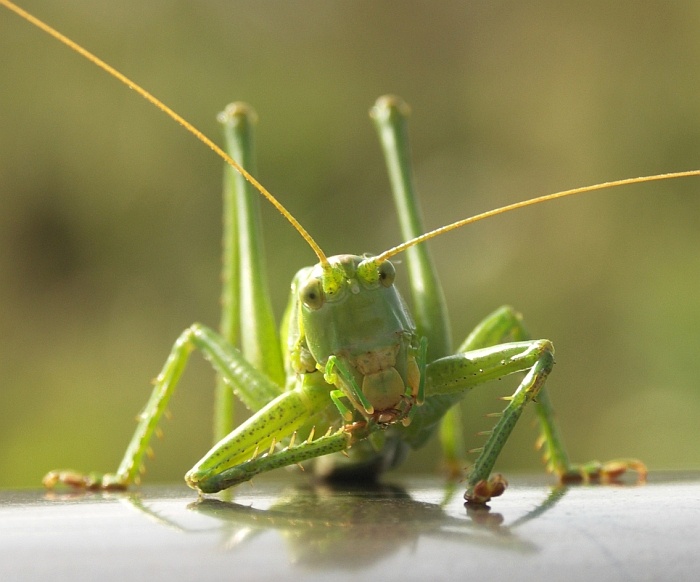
[{"x": 110, "y": 214}]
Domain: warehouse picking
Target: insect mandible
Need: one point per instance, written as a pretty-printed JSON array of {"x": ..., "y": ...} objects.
[{"x": 363, "y": 374}]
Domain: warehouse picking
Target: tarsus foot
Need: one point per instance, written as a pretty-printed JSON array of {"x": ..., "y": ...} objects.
[
  {"x": 89, "y": 482},
  {"x": 484, "y": 490},
  {"x": 608, "y": 472}
]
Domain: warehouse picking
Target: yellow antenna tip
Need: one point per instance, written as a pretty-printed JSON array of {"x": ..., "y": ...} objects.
[{"x": 531, "y": 202}]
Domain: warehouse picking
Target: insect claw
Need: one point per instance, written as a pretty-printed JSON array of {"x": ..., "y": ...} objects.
[
  {"x": 612, "y": 470},
  {"x": 484, "y": 490}
]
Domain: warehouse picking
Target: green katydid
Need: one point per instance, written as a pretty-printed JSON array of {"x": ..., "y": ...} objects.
[{"x": 356, "y": 390}]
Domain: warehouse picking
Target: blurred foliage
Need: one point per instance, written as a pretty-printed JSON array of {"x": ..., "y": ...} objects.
[{"x": 110, "y": 214}]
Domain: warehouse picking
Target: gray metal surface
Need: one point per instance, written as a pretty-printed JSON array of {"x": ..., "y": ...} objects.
[{"x": 403, "y": 531}]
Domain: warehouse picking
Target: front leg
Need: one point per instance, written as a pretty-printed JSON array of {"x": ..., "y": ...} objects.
[
  {"x": 506, "y": 324},
  {"x": 456, "y": 374},
  {"x": 288, "y": 431}
]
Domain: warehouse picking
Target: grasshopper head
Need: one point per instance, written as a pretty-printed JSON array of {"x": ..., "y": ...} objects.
[{"x": 349, "y": 308}]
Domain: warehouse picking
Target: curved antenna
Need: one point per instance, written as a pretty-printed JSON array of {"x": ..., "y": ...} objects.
[
  {"x": 531, "y": 202},
  {"x": 170, "y": 113}
]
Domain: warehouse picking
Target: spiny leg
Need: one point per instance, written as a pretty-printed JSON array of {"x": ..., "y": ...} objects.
[
  {"x": 464, "y": 371},
  {"x": 557, "y": 460},
  {"x": 245, "y": 471},
  {"x": 253, "y": 388},
  {"x": 499, "y": 327},
  {"x": 480, "y": 486},
  {"x": 246, "y": 313},
  {"x": 506, "y": 324},
  {"x": 286, "y": 432}
]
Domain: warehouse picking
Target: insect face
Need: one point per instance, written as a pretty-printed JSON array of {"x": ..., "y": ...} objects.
[{"x": 352, "y": 316}]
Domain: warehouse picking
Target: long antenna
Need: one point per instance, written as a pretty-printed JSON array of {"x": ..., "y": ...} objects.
[
  {"x": 278, "y": 205},
  {"x": 531, "y": 202},
  {"x": 169, "y": 112}
]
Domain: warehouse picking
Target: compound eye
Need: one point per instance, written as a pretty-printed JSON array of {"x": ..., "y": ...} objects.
[
  {"x": 387, "y": 274},
  {"x": 311, "y": 294}
]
